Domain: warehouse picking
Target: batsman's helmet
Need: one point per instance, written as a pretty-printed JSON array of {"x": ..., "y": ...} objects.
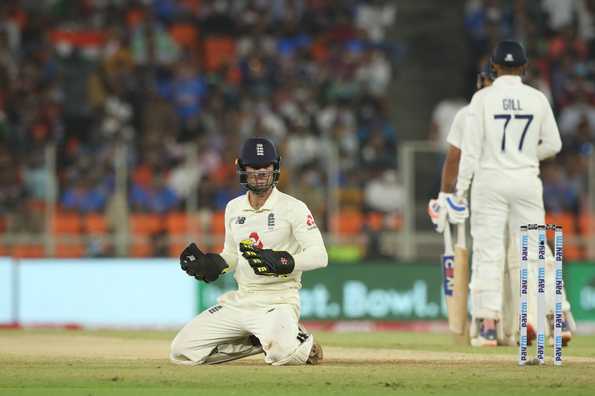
[{"x": 258, "y": 152}]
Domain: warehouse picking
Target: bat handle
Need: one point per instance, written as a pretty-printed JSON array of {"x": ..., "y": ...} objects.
[
  {"x": 461, "y": 237},
  {"x": 447, "y": 238}
]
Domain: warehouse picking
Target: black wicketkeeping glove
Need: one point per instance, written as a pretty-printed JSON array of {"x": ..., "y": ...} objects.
[
  {"x": 204, "y": 267},
  {"x": 266, "y": 261}
]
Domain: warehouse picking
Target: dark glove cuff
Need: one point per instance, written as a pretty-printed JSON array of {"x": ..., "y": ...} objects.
[
  {"x": 215, "y": 267},
  {"x": 286, "y": 263}
]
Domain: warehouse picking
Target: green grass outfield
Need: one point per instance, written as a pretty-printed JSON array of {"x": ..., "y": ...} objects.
[{"x": 46, "y": 362}]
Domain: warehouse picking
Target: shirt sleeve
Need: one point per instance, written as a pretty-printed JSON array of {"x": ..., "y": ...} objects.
[
  {"x": 472, "y": 141},
  {"x": 230, "y": 250},
  {"x": 312, "y": 254},
  {"x": 455, "y": 135},
  {"x": 550, "y": 143}
]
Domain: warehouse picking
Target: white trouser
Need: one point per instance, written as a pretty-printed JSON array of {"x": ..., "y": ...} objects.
[
  {"x": 501, "y": 200},
  {"x": 221, "y": 333}
]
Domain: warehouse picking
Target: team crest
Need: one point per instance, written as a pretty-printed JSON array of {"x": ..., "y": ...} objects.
[{"x": 271, "y": 221}]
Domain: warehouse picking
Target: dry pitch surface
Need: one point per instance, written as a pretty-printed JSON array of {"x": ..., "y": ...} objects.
[{"x": 43, "y": 362}]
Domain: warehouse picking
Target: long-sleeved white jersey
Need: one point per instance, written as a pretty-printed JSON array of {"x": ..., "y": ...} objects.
[
  {"x": 509, "y": 126},
  {"x": 282, "y": 223},
  {"x": 455, "y": 134}
]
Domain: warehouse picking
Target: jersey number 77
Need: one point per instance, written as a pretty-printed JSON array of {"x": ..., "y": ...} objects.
[{"x": 528, "y": 118}]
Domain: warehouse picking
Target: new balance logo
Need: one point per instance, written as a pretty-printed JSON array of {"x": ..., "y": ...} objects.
[
  {"x": 509, "y": 58},
  {"x": 259, "y": 149},
  {"x": 302, "y": 337},
  {"x": 215, "y": 309}
]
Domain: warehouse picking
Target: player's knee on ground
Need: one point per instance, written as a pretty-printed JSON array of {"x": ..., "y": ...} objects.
[
  {"x": 183, "y": 352},
  {"x": 279, "y": 353}
]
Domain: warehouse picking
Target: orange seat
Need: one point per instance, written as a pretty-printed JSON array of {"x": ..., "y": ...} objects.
[
  {"x": 572, "y": 251},
  {"x": 67, "y": 223},
  {"x": 375, "y": 221},
  {"x": 567, "y": 220},
  {"x": 70, "y": 250},
  {"x": 217, "y": 52},
  {"x": 95, "y": 224},
  {"x": 218, "y": 223},
  {"x": 28, "y": 251},
  {"x": 178, "y": 223},
  {"x": 141, "y": 249},
  {"x": 185, "y": 34},
  {"x": 587, "y": 224},
  {"x": 216, "y": 247},
  {"x": 4, "y": 250},
  {"x": 145, "y": 224},
  {"x": 175, "y": 248},
  {"x": 348, "y": 222}
]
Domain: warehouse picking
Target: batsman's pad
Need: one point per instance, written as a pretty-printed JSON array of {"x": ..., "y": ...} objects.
[{"x": 267, "y": 262}]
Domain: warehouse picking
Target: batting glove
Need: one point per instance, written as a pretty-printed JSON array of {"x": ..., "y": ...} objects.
[
  {"x": 437, "y": 212},
  {"x": 457, "y": 207},
  {"x": 266, "y": 262}
]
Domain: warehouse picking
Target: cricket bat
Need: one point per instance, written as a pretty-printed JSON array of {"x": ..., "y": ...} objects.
[{"x": 455, "y": 269}]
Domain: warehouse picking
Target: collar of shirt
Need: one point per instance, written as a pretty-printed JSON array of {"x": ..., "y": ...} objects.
[
  {"x": 508, "y": 80},
  {"x": 268, "y": 204}
]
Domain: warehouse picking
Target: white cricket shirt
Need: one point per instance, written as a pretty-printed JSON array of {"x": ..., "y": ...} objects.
[
  {"x": 282, "y": 223},
  {"x": 509, "y": 126},
  {"x": 455, "y": 135}
]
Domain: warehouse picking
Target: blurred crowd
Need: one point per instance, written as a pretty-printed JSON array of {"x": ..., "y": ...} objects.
[
  {"x": 560, "y": 42},
  {"x": 181, "y": 84}
]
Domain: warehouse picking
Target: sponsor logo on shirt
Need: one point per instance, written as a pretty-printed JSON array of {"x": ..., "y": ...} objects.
[
  {"x": 240, "y": 220},
  {"x": 310, "y": 222},
  {"x": 256, "y": 239}
]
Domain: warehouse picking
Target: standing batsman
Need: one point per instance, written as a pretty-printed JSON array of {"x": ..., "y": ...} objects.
[
  {"x": 510, "y": 127},
  {"x": 270, "y": 239},
  {"x": 444, "y": 211}
]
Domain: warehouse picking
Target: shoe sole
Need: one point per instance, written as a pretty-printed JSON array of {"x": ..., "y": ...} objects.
[{"x": 482, "y": 342}]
